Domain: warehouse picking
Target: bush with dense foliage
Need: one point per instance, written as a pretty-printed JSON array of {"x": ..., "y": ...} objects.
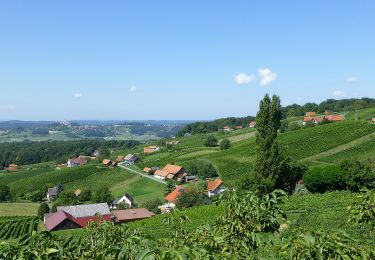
[
  {"x": 202, "y": 168},
  {"x": 43, "y": 209},
  {"x": 192, "y": 197},
  {"x": 225, "y": 144},
  {"x": 324, "y": 178},
  {"x": 102, "y": 194},
  {"x": 5, "y": 194},
  {"x": 357, "y": 175},
  {"x": 211, "y": 141},
  {"x": 152, "y": 205}
]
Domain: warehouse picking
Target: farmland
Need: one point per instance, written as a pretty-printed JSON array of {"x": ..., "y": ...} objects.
[
  {"x": 17, "y": 227},
  {"x": 18, "y": 209}
]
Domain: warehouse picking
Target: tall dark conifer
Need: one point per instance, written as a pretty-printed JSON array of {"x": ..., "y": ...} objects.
[{"x": 269, "y": 160}]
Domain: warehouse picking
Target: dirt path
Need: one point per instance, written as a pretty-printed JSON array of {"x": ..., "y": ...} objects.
[{"x": 140, "y": 173}]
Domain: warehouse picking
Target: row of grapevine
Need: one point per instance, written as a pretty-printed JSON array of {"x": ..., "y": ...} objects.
[{"x": 17, "y": 227}]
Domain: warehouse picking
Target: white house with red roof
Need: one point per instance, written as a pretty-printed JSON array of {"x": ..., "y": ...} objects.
[{"x": 215, "y": 187}]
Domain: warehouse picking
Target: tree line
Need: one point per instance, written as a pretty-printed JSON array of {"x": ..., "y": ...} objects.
[
  {"x": 37, "y": 152},
  {"x": 213, "y": 126}
]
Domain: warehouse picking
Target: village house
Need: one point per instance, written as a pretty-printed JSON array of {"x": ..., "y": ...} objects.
[
  {"x": 334, "y": 118},
  {"x": 227, "y": 128},
  {"x": 252, "y": 124},
  {"x": 77, "y": 192},
  {"x": 160, "y": 174},
  {"x": 107, "y": 162},
  {"x": 52, "y": 193},
  {"x": 126, "y": 199},
  {"x": 174, "y": 171},
  {"x": 150, "y": 149},
  {"x": 171, "y": 199},
  {"x": 79, "y": 216},
  {"x": 239, "y": 127},
  {"x": 147, "y": 169},
  {"x": 129, "y": 215},
  {"x": 315, "y": 120},
  {"x": 373, "y": 120},
  {"x": 215, "y": 187},
  {"x": 76, "y": 162},
  {"x": 130, "y": 159}
]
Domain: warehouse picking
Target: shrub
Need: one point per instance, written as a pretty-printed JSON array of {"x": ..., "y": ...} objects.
[
  {"x": 357, "y": 175},
  {"x": 191, "y": 198},
  {"x": 43, "y": 209},
  {"x": 202, "y": 169},
  {"x": 324, "y": 178},
  {"x": 4, "y": 193},
  {"x": 152, "y": 205},
  {"x": 225, "y": 144},
  {"x": 211, "y": 141}
]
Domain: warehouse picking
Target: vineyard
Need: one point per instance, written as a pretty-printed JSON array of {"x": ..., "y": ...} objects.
[
  {"x": 17, "y": 227},
  {"x": 310, "y": 141},
  {"x": 362, "y": 151}
]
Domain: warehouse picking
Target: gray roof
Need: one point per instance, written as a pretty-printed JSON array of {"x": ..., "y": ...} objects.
[
  {"x": 53, "y": 191},
  {"x": 88, "y": 210},
  {"x": 129, "y": 157}
]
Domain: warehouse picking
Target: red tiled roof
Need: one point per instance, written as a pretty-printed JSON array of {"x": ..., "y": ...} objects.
[
  {"x": 172, "y": 169},
  {"x": 334, "y": 118},
  {"x": 147, "y": 169},
  {"x": 161, "y": 173},
  {"x": 171, "y": 197},
  {"x": 213, "y": 185},
  {"x": 252, "y": 123}
]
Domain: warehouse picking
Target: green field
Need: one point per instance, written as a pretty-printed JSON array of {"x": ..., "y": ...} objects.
[{"x": 19, "y": 209}]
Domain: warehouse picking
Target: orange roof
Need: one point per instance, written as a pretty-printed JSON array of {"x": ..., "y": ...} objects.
[
  {"x": 310, "y": 113},
  {"x": 252, "y": 123},
  {"x": 161, "y": 173},
  {"x": 106, "y": 161},
  {"x": 147, "y": 169},
  {"x": 171, "y": 197},
  {"x": 173, "y": 169},
  {"x": 213, "y": 185},
  {"x": 335, "y": 118}
]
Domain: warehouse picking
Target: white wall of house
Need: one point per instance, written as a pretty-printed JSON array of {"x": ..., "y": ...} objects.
[
  {"x": 219, "y": 190},
  {"x": 159, "y": 177}
]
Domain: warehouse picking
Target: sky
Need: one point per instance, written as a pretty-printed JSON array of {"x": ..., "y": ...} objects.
[{"x": 188, "y": 60}]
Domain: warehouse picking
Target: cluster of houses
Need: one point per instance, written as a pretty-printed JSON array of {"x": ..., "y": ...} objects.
[
  {"x": 226, "y": 128},
  {"x": 311, "y": 117},
  {"x": 170, "y": 172},
  {"x": 214, "y": 187},
  {"x": 128, "y": 159},
  {"x": 79, "y": 216}
]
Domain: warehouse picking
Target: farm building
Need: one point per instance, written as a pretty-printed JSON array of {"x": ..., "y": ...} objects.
[
  {"x": 252, "y": 124},
  {"x": 71, "y": 217},
  {"x": 316, "y": 120},
  {"x": 120, "y": 159},
  {"x": 129, "y": 215},
  {"x": 227, "y": 128},
  {"x": 172, "y": 197},
  {"x": 173, "y": 142},
  {"x": 107, "y": 162}
]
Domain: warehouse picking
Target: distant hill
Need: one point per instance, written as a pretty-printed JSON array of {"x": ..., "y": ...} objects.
[{"x": 295, "y": 110}]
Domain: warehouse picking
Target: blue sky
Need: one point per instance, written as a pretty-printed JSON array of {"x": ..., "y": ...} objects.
[{"x": 179, "y": 59}]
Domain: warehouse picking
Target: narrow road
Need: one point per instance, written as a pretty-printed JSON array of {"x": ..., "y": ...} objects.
[{"x": 140, "y": 173}]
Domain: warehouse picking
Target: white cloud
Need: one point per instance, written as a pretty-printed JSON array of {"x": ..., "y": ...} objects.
[
  {"x": 242, "y": 78},
  {"x": 133, "y": 89},
  {"x": 351, "y": 79},
  {"x": 266, "y": 76},
  {"x": 77, "y": 95},
  {"x": 339, "y": 94}
]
